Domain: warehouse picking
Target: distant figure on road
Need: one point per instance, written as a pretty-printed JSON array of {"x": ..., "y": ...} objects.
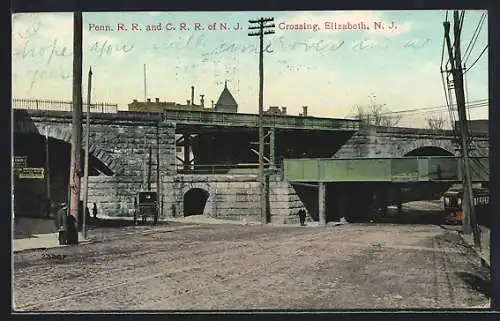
[
  {"x": 62, "y": 213},
  {"x": 302, "y": 217},
  {"x": 94, "y": 211}
]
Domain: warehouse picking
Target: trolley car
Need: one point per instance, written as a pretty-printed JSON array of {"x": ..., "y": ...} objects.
[{"x": 452, "y": 201}]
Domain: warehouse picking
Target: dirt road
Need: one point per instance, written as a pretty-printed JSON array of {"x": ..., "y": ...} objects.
[{"x": 213, "y": 266}]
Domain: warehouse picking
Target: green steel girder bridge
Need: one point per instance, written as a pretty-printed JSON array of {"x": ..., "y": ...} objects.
[
  {"x": 352, "y": 180},
  {"x": 394, "y": 170}
]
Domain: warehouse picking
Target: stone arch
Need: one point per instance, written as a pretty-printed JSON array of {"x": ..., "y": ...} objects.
[
  {"x": 62, "y": 132},
  {"x": 446, "y": 147},
  {"x": 209, "y": 205},
  {"x": 429, "y": 151}
]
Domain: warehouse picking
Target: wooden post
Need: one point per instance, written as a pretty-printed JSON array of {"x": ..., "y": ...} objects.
[
  {"x": 272, "y": 148},
  {"x": 76, "y": 137},
  {"x": 261, "y": 25},
  {"x": 47, "y": 170},
  {"x": 86, "y": 166}
]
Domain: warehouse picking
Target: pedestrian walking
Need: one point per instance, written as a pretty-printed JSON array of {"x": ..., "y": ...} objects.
[
  {"x": 94, "y": 211},
  {"x": 302, "y": 217}
]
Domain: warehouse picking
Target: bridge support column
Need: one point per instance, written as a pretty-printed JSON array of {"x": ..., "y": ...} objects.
[
  {"x": 322, "y": 203},
  {"x": 272, "y": 148},
  {"x": 187, "y": 149}
]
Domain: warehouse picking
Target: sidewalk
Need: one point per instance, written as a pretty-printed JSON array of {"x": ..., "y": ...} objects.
[
  {"x": 41, "y": 241},
  {"x": 484, "y": 253}
]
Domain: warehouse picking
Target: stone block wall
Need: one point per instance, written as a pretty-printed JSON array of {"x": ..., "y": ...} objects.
[
  {"x": 284, "y": 202},
  {"x": 397, "y": 142},
  {"x": 231, "y": 196},
  {"x": 113, "y": 195},
  {"x": 120, "y": 142},
  {"x": 129, "y": 141}
]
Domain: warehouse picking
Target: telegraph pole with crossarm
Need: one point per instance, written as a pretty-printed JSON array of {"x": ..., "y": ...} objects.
[
  {"x": 469, "y": 220},
  {"x": 263, "y": 28}
]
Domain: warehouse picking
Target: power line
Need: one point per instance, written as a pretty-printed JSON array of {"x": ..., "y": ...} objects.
[
  {"x": 474, "y": 38},
  {"x": 472, "y": 103},
  {"x": 434, "y": 110},
  {"x": 482, "y": 52}
]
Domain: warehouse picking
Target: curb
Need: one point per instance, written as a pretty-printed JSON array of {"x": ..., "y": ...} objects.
[
  {"x": 484, "y": 259},
  {"x": 34, "y": 249},
  {"x": 40, "y": 248}
]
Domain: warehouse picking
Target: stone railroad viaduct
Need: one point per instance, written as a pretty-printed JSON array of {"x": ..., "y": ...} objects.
[{"x": 119, "y": 144}]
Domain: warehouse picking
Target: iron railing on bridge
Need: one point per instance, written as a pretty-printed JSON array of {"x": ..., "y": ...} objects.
[
  {"x": 230, "y": 169},
  {"x": 206, "y": 117},
  {"x": 47, "y": 104}
]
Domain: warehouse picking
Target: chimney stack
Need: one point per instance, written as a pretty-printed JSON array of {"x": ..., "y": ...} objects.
[
  {"x": 149, "y": 100},
  {"x": 212, "y": 104},
  {"x": 192, "y": 95},
  {"x": 283, "y": 110},
  {"x": 304, "y": 111},
  {"x": 157, "y": 100},
  {"x": 202, "y": 101}
]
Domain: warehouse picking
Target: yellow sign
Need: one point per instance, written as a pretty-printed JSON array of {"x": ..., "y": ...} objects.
[{"x": 32, "y": 172}]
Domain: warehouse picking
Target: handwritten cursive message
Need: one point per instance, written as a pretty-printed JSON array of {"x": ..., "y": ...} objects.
[{"x": 183, "y": 37}]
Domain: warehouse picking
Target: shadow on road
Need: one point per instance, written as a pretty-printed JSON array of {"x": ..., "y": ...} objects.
[
  {"x": 117, "y": 223},
  {"x": 410, "y": 217},
  {"x": 479, "y": 283}
]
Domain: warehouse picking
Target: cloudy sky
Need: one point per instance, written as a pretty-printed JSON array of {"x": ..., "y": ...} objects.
[{"x": 331, "y": 71}]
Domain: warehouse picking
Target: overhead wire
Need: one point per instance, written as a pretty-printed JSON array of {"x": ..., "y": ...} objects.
[
  {"x": 474, "y": 37},
  {"x": 472, "y": 105},
  {"x": 477, "y": 59}
]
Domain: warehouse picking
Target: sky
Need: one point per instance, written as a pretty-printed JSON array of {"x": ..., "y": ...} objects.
[{"x": 330, "y": 71}]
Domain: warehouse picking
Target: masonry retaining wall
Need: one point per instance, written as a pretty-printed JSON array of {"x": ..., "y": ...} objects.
[{"x": 229, "y": 196}]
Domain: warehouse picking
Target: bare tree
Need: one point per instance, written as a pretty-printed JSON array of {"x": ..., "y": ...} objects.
[
  {"x": 435, "y": 122},
  {"x": 377, "y": 115}
]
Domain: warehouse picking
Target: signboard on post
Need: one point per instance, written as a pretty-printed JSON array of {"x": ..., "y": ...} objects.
[
  {"x": 20, "y": 162},
  {"x": 32, "y": 172}
]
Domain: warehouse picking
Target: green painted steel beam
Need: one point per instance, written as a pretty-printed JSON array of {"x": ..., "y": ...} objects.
[
  {"x": 405, "y": 169},
  {"x": 203, "y": 118}
]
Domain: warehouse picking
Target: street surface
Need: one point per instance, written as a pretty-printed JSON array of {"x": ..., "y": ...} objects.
[{"x": 184, "y": 266}]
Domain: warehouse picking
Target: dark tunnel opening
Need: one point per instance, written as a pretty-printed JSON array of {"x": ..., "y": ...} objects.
[{"x": 195, "y": 201}]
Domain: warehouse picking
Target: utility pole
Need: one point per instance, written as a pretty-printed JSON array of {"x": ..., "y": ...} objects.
[
  {"x": 260, "y": 24},
  {"x": 149, "y": 169},
  {"x": 47, "y": 170},
  {"x": 145, "y": 93},
  {"x": 469, "y": 219},
  {"x": 76, "y": 137},
  {"x": 86, "y": 166},
  {"x": 158, "y": 190}
]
